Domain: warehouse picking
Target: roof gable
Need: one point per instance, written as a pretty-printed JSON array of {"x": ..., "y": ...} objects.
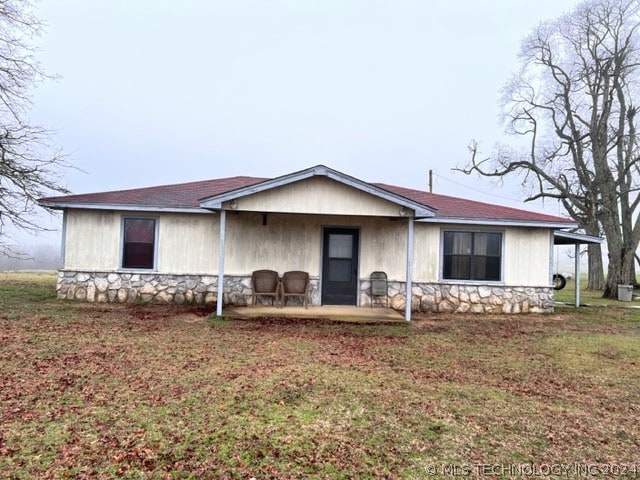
[
  {"x": 318, "y": 195},
  {"x": 216, "y": 202}
]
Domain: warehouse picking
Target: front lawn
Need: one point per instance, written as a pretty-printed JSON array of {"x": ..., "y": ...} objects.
[
  {"x": 104, "y": 391},
  {"x": 591, "y": 297}
]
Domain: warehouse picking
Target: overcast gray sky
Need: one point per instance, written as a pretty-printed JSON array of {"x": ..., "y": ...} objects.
[{"x": 154, "y": 92}]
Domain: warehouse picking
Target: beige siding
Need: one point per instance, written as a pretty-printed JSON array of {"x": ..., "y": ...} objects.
[
  {"x": 318, "y": 195},
  {"x": 526, "y": 256},
  {"x": 294, "y": 242},
  {"x": 383, "y": 247},
  {"x": 426, "y": 266},
  {"x": 92, "y": 240},
  {"x": 286, "y": 242},
  {"x": 188, "y": 243}
]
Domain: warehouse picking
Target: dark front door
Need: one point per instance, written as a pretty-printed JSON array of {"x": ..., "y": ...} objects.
[{"x": 340, "y": 266}]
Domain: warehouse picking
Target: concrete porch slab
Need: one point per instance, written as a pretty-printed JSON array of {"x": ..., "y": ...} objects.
[{"x": 331, "y": 312}]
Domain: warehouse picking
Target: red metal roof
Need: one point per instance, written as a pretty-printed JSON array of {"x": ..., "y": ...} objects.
[{"x": 188, "y": 195}]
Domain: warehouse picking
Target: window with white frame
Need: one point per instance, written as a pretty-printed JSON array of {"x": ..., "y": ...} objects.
[
  {"x": 138, "y": 242},
  {"x": 471, "y": 255}
]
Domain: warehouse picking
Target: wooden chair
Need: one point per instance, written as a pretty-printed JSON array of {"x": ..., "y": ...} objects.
[
  {"x": 265, "y": 283},
  {"x": 295, "y": 284}
]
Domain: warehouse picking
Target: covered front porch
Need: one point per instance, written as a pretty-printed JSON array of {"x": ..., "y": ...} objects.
[{"x": 335, "y": 229}]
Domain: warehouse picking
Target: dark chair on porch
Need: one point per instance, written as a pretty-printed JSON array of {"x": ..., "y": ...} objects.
[
  {"x": 265, "y": 283},
  {"x": 295, "y": 284},
  {"x": 379, "y": 288}
]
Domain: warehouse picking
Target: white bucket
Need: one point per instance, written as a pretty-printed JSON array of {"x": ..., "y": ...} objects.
[{"x": 625, "y": 293}]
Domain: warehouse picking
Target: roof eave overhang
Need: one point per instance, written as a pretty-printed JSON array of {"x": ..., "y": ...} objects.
[
  {"x": 118, "y": 206},
  {"x": 572, "y": 238},
  {"x": 499, "y": 222},
  {"x": 216, "y": 202}
]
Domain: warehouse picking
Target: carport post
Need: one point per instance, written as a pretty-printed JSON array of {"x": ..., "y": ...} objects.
[
  {"x": 577, "y": 273},
  {"x": 408, "y": 296},
  {"x": 223, "y": 221}
]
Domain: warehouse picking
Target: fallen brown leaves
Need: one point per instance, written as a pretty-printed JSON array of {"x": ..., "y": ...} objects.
[{"x": 103, "y": 391}]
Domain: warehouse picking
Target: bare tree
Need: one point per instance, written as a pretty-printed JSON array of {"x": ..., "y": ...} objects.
[
  {"x": 572, "y": 107},
  {"x": 29, "y": 165}
]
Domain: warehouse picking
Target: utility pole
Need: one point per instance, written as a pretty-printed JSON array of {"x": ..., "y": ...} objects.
[{"x": 430, "y": 181}]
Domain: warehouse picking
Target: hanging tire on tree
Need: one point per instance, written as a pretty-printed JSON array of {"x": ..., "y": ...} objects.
[{"x": 559, "y": 282}]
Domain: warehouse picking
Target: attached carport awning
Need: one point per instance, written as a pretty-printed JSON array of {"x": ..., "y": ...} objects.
[{"x": 571, "y": 238}]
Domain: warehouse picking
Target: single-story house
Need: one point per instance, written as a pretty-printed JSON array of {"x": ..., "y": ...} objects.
[{"x": 199, "y": 242}]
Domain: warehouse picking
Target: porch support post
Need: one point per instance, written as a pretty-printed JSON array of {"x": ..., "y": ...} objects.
[
  {"x": 577, "y": 273},
  {"x": 408, "y": 296},
  {"x": 220, "y": 300},
  {"x": 63, "y": 244}
]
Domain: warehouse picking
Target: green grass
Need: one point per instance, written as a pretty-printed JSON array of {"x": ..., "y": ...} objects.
[
  {"x": 589, "y": 297},
  {"x": 105, "y": 391}
]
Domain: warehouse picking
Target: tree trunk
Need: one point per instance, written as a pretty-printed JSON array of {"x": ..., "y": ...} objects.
[
  {"x": 619, "y": 271},
  {"x": 634, "y": 277},
  {"x": 594, "y": 254},
  {"x": 613, "y": 280},
  {"x": 596, "y": 268}
]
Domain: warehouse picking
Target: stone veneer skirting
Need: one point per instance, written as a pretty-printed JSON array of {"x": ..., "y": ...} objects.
[
  {"x": 463, "y": 298},
  {"x": 128, "y": 287}
]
